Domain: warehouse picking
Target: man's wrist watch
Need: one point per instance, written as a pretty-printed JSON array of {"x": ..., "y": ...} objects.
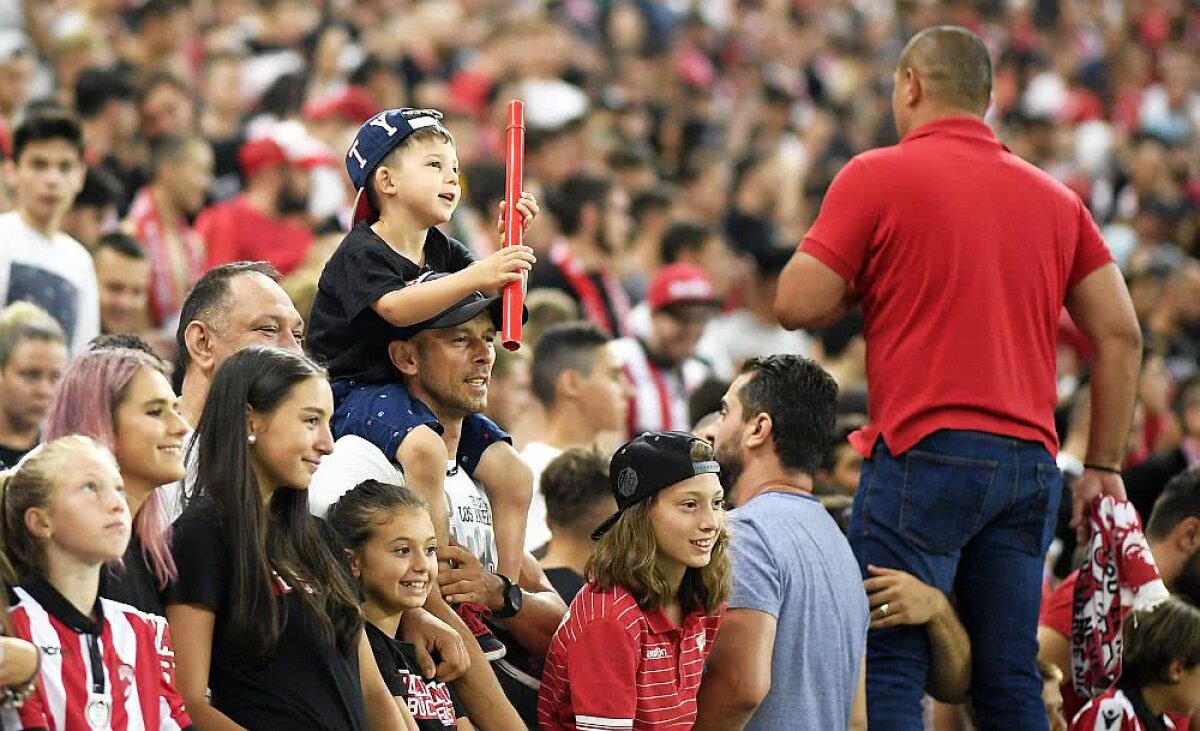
[{"x": 512, "y": 599}]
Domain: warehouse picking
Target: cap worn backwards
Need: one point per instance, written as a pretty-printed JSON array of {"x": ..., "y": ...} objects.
[
  {"x": 378, "y": 136},
  {"x": 649, "y": 464}
]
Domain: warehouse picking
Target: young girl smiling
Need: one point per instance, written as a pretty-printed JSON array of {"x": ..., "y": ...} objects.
[
  {"x": 632, "y": 649},
  {"x": 389, "y": 535}
]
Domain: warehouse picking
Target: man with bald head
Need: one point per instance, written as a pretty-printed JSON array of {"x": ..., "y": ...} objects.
[{"x": 962, "y": 257}]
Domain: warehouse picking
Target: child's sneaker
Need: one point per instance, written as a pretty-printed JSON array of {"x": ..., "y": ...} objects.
[{"x": 472, "y": 614}]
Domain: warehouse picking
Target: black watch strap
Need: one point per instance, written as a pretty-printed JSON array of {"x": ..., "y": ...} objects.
[{"x": 512, "y": 599}]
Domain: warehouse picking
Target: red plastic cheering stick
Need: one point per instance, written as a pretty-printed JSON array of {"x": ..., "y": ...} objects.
[{"x": 514, "y": 172}]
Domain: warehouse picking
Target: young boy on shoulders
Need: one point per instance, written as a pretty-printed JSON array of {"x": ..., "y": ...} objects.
[{"x": 404, "y": 165}]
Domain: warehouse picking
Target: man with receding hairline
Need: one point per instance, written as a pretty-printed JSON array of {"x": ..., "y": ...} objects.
[{"x": 962, "y": 257}]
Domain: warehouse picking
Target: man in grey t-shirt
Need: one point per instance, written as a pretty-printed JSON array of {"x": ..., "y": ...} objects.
[{"x": 790, "y": 650}]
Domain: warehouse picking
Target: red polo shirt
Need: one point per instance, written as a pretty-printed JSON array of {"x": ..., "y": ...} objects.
[
  {"x": 962, "y": 255},
  {"x": 614, "y": 666}
]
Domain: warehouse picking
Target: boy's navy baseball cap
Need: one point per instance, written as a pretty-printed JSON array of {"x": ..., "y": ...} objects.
[
  {"x": 378, "y": 136},
  {"x": 649, "y": 464}
]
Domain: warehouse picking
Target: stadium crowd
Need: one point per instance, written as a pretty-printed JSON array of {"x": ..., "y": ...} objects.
[{"x": 266, "y": 464}]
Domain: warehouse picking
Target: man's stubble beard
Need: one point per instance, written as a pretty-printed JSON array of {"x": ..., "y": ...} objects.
[
  {"x": 448, "y": 400},
  {"x": 732, "y": 466}
]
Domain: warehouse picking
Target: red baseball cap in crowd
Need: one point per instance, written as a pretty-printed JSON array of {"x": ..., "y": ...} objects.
[
  {"x": 266, "y": 152},
  {"x": 678, "y": 284},
  {"x": 353, "y": 103},
  {"x": 258, "y": 155}
]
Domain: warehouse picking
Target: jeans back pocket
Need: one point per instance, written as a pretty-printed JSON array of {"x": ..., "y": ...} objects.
[
  {"x": 1041, "y": 515},
  {"x": 943, "y": 499}
]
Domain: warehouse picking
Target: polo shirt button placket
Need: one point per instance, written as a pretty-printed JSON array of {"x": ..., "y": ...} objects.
[{"x": 677, "y": 636}]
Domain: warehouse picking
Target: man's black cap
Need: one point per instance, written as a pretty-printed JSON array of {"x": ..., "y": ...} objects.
[
  {"x": 465, "y": 310},
  {"x": 650, "y": 463}
]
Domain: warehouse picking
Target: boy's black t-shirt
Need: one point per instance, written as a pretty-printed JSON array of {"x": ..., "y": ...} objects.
[
  {"x": 302, "y": 683},
  {"x": 433, "y": 704},
  {"x": 344, "y": 332}
]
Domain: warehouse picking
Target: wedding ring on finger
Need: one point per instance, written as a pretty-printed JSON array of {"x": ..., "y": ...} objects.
[{"x": 883, "y": 610}]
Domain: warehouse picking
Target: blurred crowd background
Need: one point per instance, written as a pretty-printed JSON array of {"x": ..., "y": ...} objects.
[{"x": 714, "y": 128}]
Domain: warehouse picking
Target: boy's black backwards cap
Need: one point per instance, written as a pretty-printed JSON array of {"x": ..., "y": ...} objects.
[
  {"x": 648, "y": 464},
  {"x": 378, "y": 136},
  {"x": 465, "y": 310}
]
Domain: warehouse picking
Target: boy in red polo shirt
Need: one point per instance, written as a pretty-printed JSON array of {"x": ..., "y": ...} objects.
[{"x": 631, "y": 651}]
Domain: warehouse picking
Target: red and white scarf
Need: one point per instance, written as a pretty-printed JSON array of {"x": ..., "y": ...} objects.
[
  {"x": 1118, "y": 575},
  {"x": 594, "y": 309},
  {"x": 174, "y": 269}
]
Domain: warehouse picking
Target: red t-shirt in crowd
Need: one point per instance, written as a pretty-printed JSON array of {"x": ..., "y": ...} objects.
[
  {"x": 237, "y": 231},
  {"x": 962, "y": 255},
  {"x": 1056, "y": 614},
  {"x": 614, "y": 666}
]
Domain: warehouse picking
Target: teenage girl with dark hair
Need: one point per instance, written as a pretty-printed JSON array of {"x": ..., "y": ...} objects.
[{"x": 267, "y": 619}]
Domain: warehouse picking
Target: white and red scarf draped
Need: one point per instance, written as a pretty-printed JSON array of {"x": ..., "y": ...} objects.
[
  {"x": 1118, "y": 575},
  {"x": 174, "y": 269},
  {"x": 590, "y": 299}
]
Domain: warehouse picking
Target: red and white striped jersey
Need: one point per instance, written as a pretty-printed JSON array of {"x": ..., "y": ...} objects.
[
  {"x": 116, "y": 672},
  {"x": 613, "y": 666},
  {"x": 660, "y": 395},
  {"x": 1113, "y": 710}
]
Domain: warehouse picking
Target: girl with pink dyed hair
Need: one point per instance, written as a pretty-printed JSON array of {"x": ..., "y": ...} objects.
[{"x": 121, "y": 398}]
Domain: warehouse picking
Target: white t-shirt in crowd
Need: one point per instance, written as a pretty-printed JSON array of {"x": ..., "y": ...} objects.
[
  {"x": 732, "y": 338},
  {"x": 538, "y": 455},
  {"x": 55, "y": 273},
  {"x": 470, "y": 516},
  {"x": 353, "y": 460}
]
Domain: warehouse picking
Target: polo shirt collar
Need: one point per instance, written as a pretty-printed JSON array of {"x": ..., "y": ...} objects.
[
  {"x": 61, "y": 609},
  {"x": 960, "y": 126},
  {"x": 660, "y": 624}
]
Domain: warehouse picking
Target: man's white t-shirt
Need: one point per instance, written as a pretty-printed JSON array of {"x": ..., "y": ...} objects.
[
  {"x": 538, "y": 455},
  {"x": 353, "y": 460},
  {"x": 470, "y": 516},
  {"x": 55, "y": 273}
]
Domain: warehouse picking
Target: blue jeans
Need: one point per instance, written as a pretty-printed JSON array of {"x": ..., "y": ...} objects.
[{"x": 970, "y": 513}]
